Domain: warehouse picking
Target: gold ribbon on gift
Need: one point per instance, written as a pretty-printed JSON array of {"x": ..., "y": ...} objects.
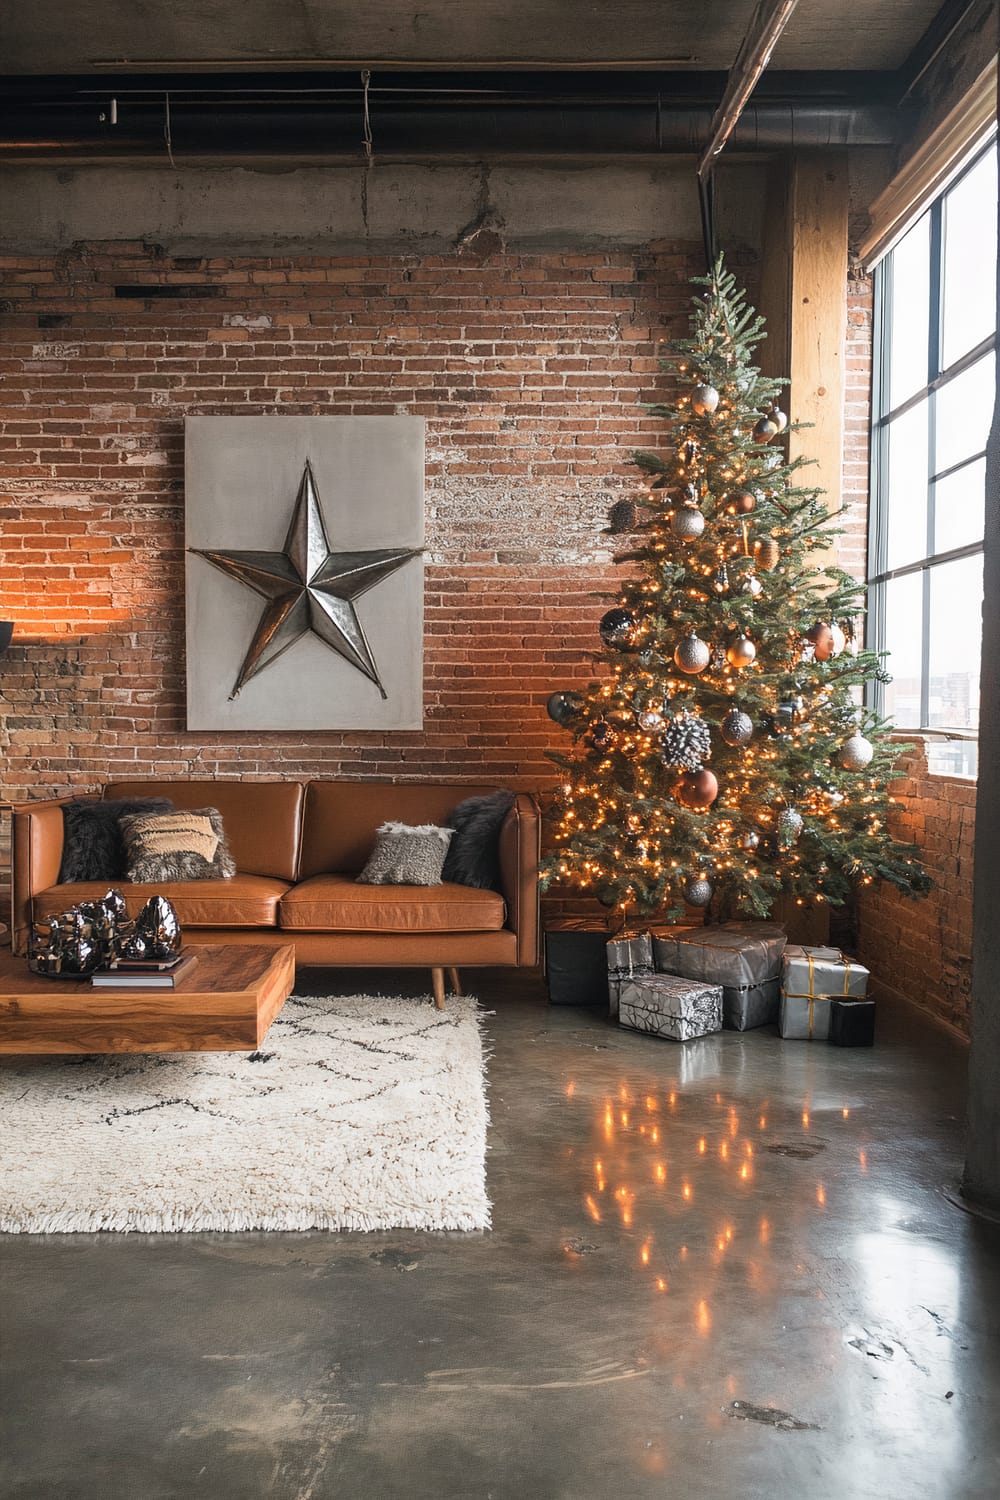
[{"x": 824, "y": 995}]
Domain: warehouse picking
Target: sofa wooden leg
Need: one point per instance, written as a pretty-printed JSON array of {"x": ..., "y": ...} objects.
[
  {"x": 455, "y": 980},
  {"x": 437, "y": 979}
]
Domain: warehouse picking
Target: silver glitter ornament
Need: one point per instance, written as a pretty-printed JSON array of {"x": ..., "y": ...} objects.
[
  {"x": 704, "y": 400},
  {"x": 856, "y": 753},
  {"x": 686, "y": 742},
  {"x": 692, "y": 655},
  {"x": 650, "y": 720},
  {"x": 697, "y": 890},
  {"x": 687, "y": 523},
  {"x": 737, "y": 728},
  {"x": 789, "y": 827}
]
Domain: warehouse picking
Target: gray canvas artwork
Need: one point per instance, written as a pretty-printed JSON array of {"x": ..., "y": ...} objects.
[{"x": 304, "y": 541}]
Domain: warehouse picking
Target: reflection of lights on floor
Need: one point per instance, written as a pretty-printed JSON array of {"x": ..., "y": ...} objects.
[
  {"x": 820, "y": 1194},
  {"x": 762, "y": 1122},
  {"x": 672, "y": 1101},
  {"x": 684, "y": 1252},
  {"x": 651, "y": 1104},
  {"x": 645, "y": 1252},
  {"x": 765, "y": 1231},
  {"x": 748, "y": 1148},
  {"x": 704, "y": 1317},
  {"x": 845, "y": 1112},
  {"x": 660, "y": 1172},
  {"x": 724, "y": 1150},
  {"x": 592, "y": 1209},
  {"x": 686, "y": 1191},
  {"x": 624, "y": 1118},
  {"x": 745, "y": 1172},
  {"x": 805, "y": 1118},
  {"x": 701, "y": 1146},
  {"x": 661, "y": 1285},
  {"x": 655, "y": 1137},
  {"x": 863, "y": 1160}
]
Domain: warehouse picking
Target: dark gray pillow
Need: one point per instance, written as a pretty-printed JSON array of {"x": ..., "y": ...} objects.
[
  {"x": 474, "y": 852},
  {"x": 406, "y": 855},
  {"x": 186, "y": 845},
  {"x": 93, "y": 846}
]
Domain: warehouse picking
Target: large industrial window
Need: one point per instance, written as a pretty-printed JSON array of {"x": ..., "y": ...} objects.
[{"x": 934, "y": 389}]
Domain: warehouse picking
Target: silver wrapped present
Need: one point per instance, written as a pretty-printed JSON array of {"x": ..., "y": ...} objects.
[
  {"x": 629, "y": 954},
  {"x": 810, "y": 972},
  {"x": 804, "y": 1018},
  {"x": 744, "y": 957},
  {"x": 664, "y": 1005},
  {"x": 745, "y": 1006}
]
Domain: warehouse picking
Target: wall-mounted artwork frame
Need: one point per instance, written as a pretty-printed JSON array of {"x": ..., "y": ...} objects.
[{"x": 304, "y": 602}]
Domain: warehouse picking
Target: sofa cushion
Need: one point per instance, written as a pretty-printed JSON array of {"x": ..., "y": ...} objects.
[
  {"x": 337, "y": 903},
  {"x": 338, "y": 827},
  {"x": 177, "y": 846},
  {"x": 243, "y": 901},
  {"x": 93, "y": 842},
  {"x": 261, "y": 818}
]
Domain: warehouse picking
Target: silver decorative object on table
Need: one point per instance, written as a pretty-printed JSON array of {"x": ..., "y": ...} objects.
[
  {"x": 155, "y": 934},
  {"x": 77, "y": 942}
]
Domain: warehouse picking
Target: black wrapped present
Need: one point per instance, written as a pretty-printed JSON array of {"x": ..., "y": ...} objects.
[
  {"x": 852, "y": 1023},
  {"x": 576, "y": 964}
]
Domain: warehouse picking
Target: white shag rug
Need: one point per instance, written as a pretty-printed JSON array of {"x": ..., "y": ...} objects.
[{"x": 356, "y": 1113}]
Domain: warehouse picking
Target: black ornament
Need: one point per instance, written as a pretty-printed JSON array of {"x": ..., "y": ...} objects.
[
  {"x": 620, "y": 630},
  {"x": 737, "y": 728},
  {"x": 563, "y": 708},
  {"x": 602, "y": 736}
]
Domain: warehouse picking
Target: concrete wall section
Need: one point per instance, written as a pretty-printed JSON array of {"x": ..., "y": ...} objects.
[{"x": 389, "y": 208}]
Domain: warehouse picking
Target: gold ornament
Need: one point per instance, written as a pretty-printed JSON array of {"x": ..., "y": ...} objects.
[
  {"x": 767, "y": 553},
  {"x": 741, "y": 652}
]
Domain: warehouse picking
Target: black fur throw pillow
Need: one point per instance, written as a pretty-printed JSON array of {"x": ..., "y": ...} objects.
[
  {"x": 93, "y": 846},
  {"x": 474, "y": 853}
]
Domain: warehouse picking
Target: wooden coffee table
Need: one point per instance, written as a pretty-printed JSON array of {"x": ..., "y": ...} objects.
[{"x": 225, "y": 1004}]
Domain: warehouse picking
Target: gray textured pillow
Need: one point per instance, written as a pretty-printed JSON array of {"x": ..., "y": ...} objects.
[
  {"x": 406, "y": 855},
  {"x": 176, "y": 846}
]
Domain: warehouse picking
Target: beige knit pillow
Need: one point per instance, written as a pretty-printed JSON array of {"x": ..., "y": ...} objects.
[{"x": 162, "y": 847}]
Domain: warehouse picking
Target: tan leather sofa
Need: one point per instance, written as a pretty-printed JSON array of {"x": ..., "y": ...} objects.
[{"x": 298, "y": 849}]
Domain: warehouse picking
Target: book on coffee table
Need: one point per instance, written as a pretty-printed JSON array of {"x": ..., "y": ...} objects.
[{"x": 132, "y": 978}]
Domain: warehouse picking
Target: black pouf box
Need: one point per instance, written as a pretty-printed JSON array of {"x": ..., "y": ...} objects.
[
  {"x": 852, "y": 1023},
  {"x": 576, "y": 962}
]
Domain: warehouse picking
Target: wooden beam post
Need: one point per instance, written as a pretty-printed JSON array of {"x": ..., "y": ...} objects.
[{"x": 817, "y": 204}]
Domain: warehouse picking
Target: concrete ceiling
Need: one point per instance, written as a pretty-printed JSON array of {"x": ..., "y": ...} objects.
[{"x": 77, "y": 36}]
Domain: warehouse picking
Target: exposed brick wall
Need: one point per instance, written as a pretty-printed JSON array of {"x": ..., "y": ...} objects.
[
  {"x": 923, "y": 949},
  {"x": 852, "y": 547},
  {"x": 531, "y": 372}
]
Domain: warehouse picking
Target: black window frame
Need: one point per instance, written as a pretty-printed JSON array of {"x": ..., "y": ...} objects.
[{"x": 878, "y": 572}]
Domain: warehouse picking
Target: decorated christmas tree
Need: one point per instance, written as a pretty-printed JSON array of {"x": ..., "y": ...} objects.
[{"x": 724, "y": 757}]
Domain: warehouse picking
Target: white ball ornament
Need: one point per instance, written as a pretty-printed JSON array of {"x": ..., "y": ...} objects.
[
  {"x": 688, "y": 523},
  {"x": 856, "y": 753},
  {"x": 704, "y": 400},
  {"x": 839, "y": 642}
]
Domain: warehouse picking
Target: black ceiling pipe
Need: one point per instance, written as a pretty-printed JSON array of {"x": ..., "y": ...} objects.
[{"x": 234, "y": 129}]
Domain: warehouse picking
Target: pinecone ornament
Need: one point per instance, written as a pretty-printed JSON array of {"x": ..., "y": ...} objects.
[{"x": 686, "y": 743}]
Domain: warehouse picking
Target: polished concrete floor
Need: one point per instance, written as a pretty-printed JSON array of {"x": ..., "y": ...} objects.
[{"x": 726, "y": 1269}]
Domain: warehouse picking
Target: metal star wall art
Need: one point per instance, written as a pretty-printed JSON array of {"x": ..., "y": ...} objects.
[{"x": 308, "y": 588}]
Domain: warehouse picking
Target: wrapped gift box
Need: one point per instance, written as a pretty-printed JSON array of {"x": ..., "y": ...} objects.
[
  {"x": 811, "y": 972},
  {"x": 852, "y": 1023},
  {"x": 745, "y": 1006},
  {"x": 576, "y": 969},
  {"x": 629, "y": 955},
  {"x": 804, "y": 1018},
  {"x": 668, "y": 1006},
  {"x": 743, "y": 957}
]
